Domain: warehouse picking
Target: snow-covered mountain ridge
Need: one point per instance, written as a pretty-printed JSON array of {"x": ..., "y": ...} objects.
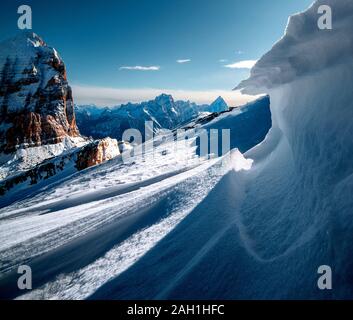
[
  {"x": 164, "y": 111},
  {"x": 36, "y": 105}
]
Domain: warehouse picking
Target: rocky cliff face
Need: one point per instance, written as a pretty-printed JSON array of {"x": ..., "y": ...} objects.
[
  {"x": 97, "y": 152},
  {"x": 36, "y": 105},
  {"x": 77, "y": 159},
  {"x": 38, "y": 133}
]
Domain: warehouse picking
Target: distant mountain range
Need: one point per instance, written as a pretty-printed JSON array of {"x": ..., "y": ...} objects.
[{"x": 164, "y": 111}]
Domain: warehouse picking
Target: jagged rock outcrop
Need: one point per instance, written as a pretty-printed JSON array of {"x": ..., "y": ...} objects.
[
  {"x": 97, "y": 152},
  {"x": 93, "y": 153},
  {"x": 36, "y": 104}
]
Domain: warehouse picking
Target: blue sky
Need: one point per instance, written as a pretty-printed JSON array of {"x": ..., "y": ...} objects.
[{"x": 103, "y": 41}]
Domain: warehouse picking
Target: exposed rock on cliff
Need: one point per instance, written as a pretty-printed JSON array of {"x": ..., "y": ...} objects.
[
  {"x": 39, "y": 137},
  {"x": 93, "y": 153},
  {"x": 36, "y": 105},
  {"x": 97, "y": 152}
]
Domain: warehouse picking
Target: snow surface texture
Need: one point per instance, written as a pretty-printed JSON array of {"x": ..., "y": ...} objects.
[
  {"x": 306, "y": 214},
  {"x": 209, "y": 230},
  {"x": 115, "y": 211}
]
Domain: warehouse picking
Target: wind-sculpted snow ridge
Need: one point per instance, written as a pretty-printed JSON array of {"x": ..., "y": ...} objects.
[
  {"x": 298, "y": 212},
  {"x": 305, "y": 49},
  {"x": 173, "y": 199}
]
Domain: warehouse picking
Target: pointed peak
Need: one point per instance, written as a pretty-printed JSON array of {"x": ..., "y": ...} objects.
[
  {"x": 218, "y": 105},
  {"x": 219, "y": 100},
  {"x": 33, "y": 39},
  {"x": 28, "y": 35},
  {"x": 162, "y": 98},
  {"x": 164, "y": 95}
]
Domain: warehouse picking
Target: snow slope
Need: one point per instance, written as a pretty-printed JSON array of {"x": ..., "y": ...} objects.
[{"x": 117, "y": 210}]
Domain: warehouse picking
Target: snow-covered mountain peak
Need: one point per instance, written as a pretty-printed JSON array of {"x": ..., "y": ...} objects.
[
  {"x": 219, "y": 105},
  {"x": 164, "y": 99},
  {"x": 30, "y": 38},
  {"x": 164, "y": 111},
  {"x": 23, "y": 47},
  {"x": 35, "y": 97},
  {"x": 37, "y": 117},
  {"x": 24, "y": 39}
]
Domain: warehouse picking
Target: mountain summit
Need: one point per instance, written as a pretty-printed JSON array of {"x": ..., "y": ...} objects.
[
  {"x": 36, "y": 105},
  {"x": 38, "y": 132},
  {"x": 219, "y": 105}
]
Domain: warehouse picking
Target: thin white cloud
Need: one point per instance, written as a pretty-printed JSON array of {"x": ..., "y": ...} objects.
[
  {"x": 222, "y": 60},
  {"x": 239, "y": 52},
  {"x": 183, "y": 60},
  {"x": 102, "y": 96},
  {"x": 245, "y": 64},
  {"x": 140, "y": 68}
]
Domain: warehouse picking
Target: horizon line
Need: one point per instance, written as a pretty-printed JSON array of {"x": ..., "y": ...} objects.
[{"x": 109, "y": 97}]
